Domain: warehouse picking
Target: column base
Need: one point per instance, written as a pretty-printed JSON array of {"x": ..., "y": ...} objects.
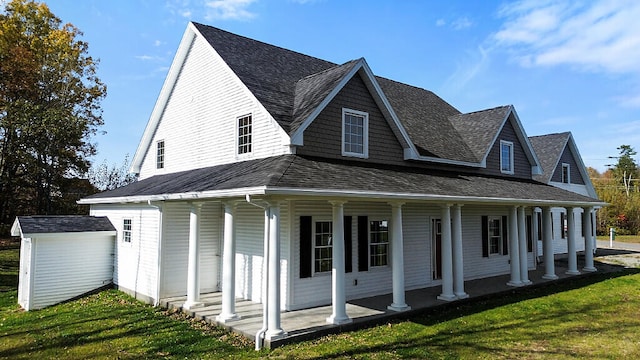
[
  {"x": 398, "y": 308},
  {"x": 225, "y": 318},
  {"x": 515, "y": 283},
  {"x": 589, "y": 269},
  {"x": 445, "y": 297},
  {"x": 462, "y": 295},
  {"x": 550, "y": 276},
  {"x": 338, "y": 320},
  {"x": 275, "y": 334},
  {"x": 526, "y": 282},
  {"x": 190, "y": 305},
  {"x": 572, "y": 272}
]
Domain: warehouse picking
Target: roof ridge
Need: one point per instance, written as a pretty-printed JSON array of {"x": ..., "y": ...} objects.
[
  {"x": 483, "y": 110},
  {"x": 551, "y": 134},
  {"x": 329, "y": 69}
]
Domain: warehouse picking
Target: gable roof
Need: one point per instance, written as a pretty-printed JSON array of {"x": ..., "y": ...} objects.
[{"x": 47, "y": 224}]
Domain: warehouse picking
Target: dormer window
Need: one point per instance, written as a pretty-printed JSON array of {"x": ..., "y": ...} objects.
[
  {"x": 566, "y": 173},
  {"x": 160, "y": 154},
  {"x": 355, "y": 133},
  {"x": 244, "y": 134},
  {"x": 506, "y": 157}
]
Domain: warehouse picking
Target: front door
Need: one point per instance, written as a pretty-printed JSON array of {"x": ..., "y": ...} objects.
[{"x": 436, "y": 248}]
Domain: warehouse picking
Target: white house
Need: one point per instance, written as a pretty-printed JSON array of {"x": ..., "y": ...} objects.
[{"x": 269, "y": 175}]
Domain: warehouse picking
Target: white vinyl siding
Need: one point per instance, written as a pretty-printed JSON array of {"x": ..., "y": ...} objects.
[
  {"x": 200, "y": 117},
  {"x": 560, "y": 245}
]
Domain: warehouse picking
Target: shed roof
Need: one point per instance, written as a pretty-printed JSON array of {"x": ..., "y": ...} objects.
[{"x": 49, "y": 224}]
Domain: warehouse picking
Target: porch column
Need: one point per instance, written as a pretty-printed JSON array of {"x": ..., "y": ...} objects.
[
  {"x": 587, "y": 228},
  {"x": 274, "y": 328},
  {"x": 522, "y": 235},
  {"x": 447, "y": 261},
  {"x": 547, "y": 245},
  {"x": 228, "y": 312},
  {"x": 458, "y": 264},
  {"x": 571, "y": 243},
  {"x": 193, "y": 265},
  {"x": 397, "y": 262},
  {"x": 514, "y": 251},
  {"x": 338, "y": 296}
]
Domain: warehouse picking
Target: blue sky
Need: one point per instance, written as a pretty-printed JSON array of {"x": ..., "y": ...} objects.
[{"x": 565, "y": 65}]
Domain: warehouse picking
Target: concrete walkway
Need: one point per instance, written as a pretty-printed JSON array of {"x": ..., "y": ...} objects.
[{"x": 311, "y": 323}]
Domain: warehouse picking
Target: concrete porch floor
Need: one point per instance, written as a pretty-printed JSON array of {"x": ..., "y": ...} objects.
[{"x": 311, "y": 323}]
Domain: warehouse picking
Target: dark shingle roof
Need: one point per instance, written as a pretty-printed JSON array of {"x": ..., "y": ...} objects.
[
  {"x": 304, "y": 173},
  {"x": 63, "y": 224},
  {"x": 549, "y": 149},
  {"x": 479, "y": 128}
]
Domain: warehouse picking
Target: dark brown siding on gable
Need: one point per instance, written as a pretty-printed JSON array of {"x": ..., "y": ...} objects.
[
  {"x": 522, "y": 167},
  {"x": 567, "y": 158},
  {"x": 323, "y": 137}
]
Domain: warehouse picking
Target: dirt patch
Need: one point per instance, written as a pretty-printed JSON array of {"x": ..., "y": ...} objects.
[
  {"x": 9, "y": 243},
  {"x": 627, "y": 260}
]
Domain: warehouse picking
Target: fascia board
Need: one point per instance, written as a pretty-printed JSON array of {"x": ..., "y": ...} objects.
[
  {"x": 45, "y": 236},
  {"x": 15, "y": 228},
  {"x": 161, "y": 102},
  {"x": 193, "y": 196}
]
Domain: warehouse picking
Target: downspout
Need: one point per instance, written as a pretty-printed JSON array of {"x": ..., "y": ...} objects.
[
  {"x": 265, "y": 276},
  {"x": 160, "y": 233}
]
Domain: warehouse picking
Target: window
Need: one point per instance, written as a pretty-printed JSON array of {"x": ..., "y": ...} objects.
[
  {"x": 244, "y": 134},
  {"x": 495, "y": 236},
  {"x": 379, "y": 243},
  {"x": 506, "y": 157},
  {"x": 322, "y": 246},
  {"x": 126, "y": 230},
  {"x": 355, "y": 133},
  {"x": 160, "y": 154},
  {"x": 566, "y": 173}
]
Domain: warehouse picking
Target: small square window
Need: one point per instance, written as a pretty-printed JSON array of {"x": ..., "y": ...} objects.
[
  {"x": 160, "y": 154},
  {"x": 506, "y": 157},
  {"x": 126, "y": 230},
  {"x": 244, "y": 134},
  {"x": 566, "y": 173}
]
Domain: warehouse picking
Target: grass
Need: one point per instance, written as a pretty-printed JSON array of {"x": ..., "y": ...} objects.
[
  {"x": 623, "y": 238},
  {"x": 587, "y": 317}
]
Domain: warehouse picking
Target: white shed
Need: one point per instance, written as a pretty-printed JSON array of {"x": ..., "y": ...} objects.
[{"x": 62, "y": 257}]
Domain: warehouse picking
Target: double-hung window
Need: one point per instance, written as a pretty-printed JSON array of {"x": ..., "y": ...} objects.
[
  {"x": 355, "y": 133},
  {"x": 495, "y": 236},
  {"x": 160, "y": 154},
  {"x": 323, "y": 251},
  {"x": 379, "y": 243},
  {"x": 506, "y": 157},
  {"x": 244, "y": 134},
  {"x": 566, "y": 173},
  {"x": 126, "y": 230}
]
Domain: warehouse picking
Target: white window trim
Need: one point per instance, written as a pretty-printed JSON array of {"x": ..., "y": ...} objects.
[
  {"x": 500, "y": 237},
  {"x": 164, "y": 154},
  {"x": 130, "y": 231},
  {"x": 313, "y": 247},
  {"x": 511, "y": 164},
  {"x": 365, "y": 140},
  {"x": 371, "y": 266},
  {"x": 568, "y": 167},
  {"x": 237, "y": 137}
]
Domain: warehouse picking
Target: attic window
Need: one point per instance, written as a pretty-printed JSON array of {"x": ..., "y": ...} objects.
[
  {"x": 244, "y": 134},
  {"x": 126, "y": 230},
  {"x": 355, "y": 133},
  {"x": 160, "y": 154},
  {"x": 566, "y": 173},
  {"x": 506, "y": 157}
]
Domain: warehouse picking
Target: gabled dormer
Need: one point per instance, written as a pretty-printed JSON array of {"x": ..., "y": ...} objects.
[{"x": 562, "y": 164}]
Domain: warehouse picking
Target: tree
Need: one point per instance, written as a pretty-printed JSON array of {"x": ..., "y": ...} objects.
[
  {"x": 626, "y": 168},
  {"x": 105, "y": 177},
  {"x": 49, "y": 108}
]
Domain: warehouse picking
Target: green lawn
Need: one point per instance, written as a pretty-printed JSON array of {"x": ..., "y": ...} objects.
[
  {"x": 622, "y": 238},
  {"x": 590, "y": 317}
]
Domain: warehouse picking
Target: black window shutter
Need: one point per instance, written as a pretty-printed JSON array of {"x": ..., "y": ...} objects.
[
  {"x": 539, "y": 219},
  {"x": 306, "y": 246},
  {"x": 562, "y": 218},
  {"x": 485, "y": 236},
  {"x": 363, "y": 243},
  {"x": 529, "y": 233},
  {"x": 505, "y": 236},
  {"x": 347, "y": 244}
]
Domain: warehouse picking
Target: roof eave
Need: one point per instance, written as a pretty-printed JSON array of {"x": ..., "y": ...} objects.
[{"x": 189, "y": 196}]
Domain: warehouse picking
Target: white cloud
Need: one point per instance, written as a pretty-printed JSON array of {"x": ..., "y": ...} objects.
[
  {"x": 599, "y": 36},
  {"x": 441, "y": 22},
  {"x": 461, "y": 23},
  {"x": 148, "y": 58},
  {"x": 228, "y": 10},
  {"x": 158, "y": 43}
]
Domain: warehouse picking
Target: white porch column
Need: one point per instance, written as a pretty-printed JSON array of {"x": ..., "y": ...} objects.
[
  {"x": 587, "y": 228},
  {"x": 338, "y": 295},
  {"x": 514, "y": 251},
  {"x": 458, "y": 263},
  {"x": 547, "y": 245},
  {"x": 274, "y": 328},
  {"x": 193, "y": 265},
  {"x": 522, "y": 235},
  {"x": 571, "y": 243},
  {"x": 447, "y": 256},
  {"x": 228, "y": 312},
  {"x": 397, "y": 262}
]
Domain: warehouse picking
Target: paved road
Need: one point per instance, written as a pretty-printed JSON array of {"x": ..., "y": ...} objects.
[{"x": 618, "y": 245}]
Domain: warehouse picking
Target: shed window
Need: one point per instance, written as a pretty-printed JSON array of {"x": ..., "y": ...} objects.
[
  {"x": 126, "y": 230},
  {"x": 160, "y": 154},
  {"x": 355, "y": 133},
  {"x": 244, "y": 134},
  {"x": 506, "y": 157}
]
